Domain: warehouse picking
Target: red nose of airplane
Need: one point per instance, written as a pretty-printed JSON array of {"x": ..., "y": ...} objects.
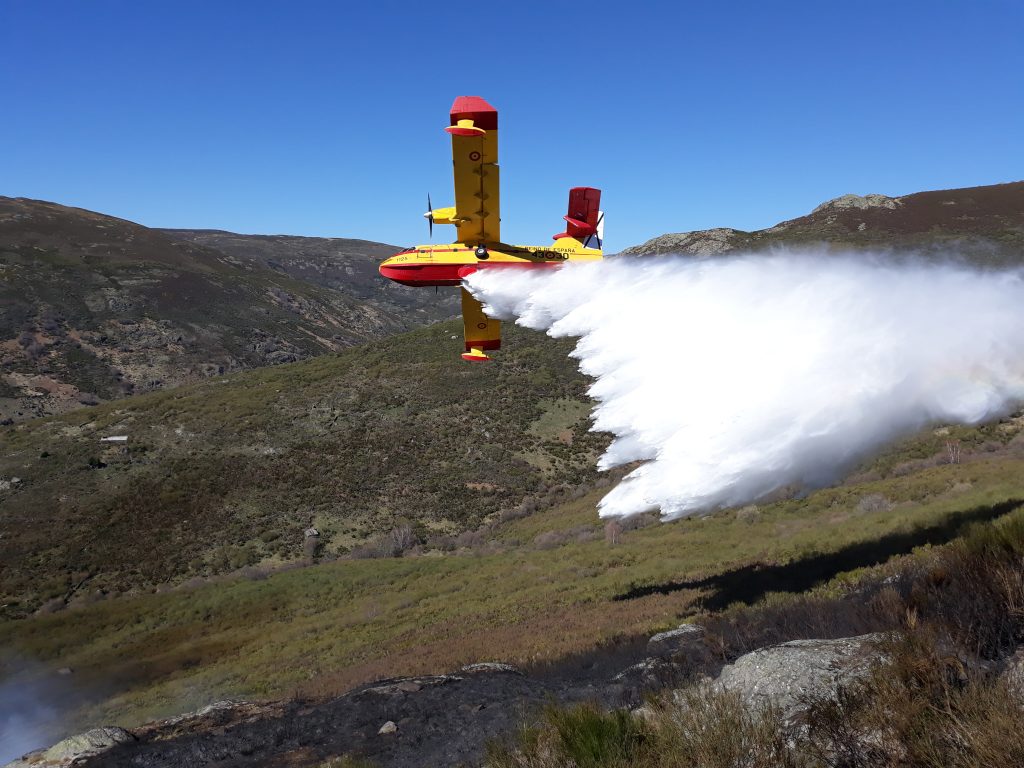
[{"x": 407, "y": 268}]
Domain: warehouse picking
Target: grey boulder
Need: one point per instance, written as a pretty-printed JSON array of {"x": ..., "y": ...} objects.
[
  {"x": 68, "y": 752},
  {"x": 786, "y": 676},
  {"x": 683, "y": 639}
]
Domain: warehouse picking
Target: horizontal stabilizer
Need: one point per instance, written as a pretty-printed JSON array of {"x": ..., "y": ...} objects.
[
  {"x": 481, "y": 332},
  {"x": 465, "y": 128}
]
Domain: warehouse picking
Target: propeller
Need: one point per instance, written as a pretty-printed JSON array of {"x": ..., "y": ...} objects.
[{"x": 429, "y": 216}]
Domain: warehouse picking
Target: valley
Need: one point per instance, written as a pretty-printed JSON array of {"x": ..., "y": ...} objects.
[{"x": 311, "y": 492}]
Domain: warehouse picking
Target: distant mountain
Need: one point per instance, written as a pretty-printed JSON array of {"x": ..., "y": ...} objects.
[
  {"x": 349, "y": 266},
  {"x": 94, "y": 307},
  {"x": 982, "y": 224}
]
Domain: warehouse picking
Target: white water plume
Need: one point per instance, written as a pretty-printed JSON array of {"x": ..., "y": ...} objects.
[{"x": 736, "y": 376}]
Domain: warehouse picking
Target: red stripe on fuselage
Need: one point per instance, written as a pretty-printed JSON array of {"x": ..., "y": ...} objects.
[{"x": 425, "y": 275}]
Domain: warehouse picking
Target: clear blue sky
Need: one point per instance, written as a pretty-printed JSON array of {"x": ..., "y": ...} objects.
[{"x": 324, "y": 118}]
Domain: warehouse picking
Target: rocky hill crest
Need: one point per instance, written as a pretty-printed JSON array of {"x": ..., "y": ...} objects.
[{"x": 982, "y": 224}]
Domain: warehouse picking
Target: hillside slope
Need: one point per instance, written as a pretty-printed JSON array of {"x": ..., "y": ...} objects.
[
  {"x": 982, "y": 224},
  {"x": 232, "y": 471},
  {"x": 553, "y": 590},
  {"x": 349, "y": 266},
  {"x": 93, "y": 308}
]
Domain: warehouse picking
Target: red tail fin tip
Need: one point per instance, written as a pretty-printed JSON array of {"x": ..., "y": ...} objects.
[
  {"x": 476, "y": 109},
  {"x": 584, "y": 205}
]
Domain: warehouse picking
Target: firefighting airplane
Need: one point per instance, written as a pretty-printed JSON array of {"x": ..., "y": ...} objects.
[{"x": 474, "y": 132}]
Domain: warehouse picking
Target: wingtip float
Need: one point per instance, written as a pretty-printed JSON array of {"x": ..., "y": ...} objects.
[{"x": 475, "y": 215}]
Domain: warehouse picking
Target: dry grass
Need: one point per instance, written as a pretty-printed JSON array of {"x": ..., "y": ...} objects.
[
  {"x": 699, "y": 729},
  {"x": 538, "y": 584},
  {"x": 329, "y": 627},
  {"x": 924, "y": 706},
  {"x": 919, "y": 709},
  {"x": 948, "y": 617}
]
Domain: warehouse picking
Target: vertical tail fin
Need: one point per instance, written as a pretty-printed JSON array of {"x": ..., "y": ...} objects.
[{"x": 583, "y": 215}]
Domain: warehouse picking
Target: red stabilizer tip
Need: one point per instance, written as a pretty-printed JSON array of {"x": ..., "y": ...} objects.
[
  {"x": 454, "y": 130},
  {"x": 475, "y": 358}
]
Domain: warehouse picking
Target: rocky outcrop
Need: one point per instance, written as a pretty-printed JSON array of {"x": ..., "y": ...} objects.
[
  {"x": 787, "y": 675},
  {"x": 1013, "y": 674},
  {"x": 431, "y": 720},
  {"x": 75, "y": 749},
  {"x": 685, "y": 638},
  {"x": 441, "y": 720},
  {"x": 705, "y": 242},
  {"x": 648, "y": 674},
  {"x": 859, "y": 201},
  {"x": 493, "y": 667},
  {"x": 984, "y": 225}
]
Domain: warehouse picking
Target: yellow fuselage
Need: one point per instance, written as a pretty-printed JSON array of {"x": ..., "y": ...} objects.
[{"x": 428, "y": 265}]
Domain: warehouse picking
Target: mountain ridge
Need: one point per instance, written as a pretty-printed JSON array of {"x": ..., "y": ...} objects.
[
  {"x": 984, "y": 225},
  {"x": 93, "y": 307}
]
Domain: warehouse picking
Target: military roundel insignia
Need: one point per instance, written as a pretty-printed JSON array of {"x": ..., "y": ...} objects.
[
  {"x": 474, "y": 156},
  {"x": 481, "y": 326}
]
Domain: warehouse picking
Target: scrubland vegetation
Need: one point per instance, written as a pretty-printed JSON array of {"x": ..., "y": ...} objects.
[
  {"x": 536, "y": 586},
  {"x": 938, "y": 694},
  {"x": 230, "y": 473},
  {"x": 455, "y": 508},
  {"x": 95, "y": 308}
]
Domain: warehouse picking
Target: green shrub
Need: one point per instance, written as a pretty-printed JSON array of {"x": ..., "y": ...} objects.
[
  {"x": 580, "y": 737},
  {"x": 923, "y": 706},
  {"x": 699, "y": 728}
]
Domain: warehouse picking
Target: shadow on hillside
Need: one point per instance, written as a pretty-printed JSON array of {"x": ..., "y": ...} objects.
[{"x": 752, "y": 582}]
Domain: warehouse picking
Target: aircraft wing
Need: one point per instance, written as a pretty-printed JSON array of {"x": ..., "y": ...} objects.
[
  {"x": 474, "y": 132},
  {"x": 482, "y": 333}
]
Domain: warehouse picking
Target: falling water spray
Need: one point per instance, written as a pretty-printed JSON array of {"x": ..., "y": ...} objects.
[{"x": 730, "y": 378}]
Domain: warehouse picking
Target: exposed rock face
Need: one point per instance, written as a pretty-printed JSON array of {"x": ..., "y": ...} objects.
[
  {"x": 860, "y": 201},
  {"x": 1013, "y": 674},
  {"x": 980, "y": 224},
  {"x": 490, "y": 667},
  {"x": 75, "y": 749},
  {"x": 683, "y": 639},
  {"x": 647, "y": 674},
  {"x": 783, "y": 675},
  {"x": 705, "y": 242}
]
